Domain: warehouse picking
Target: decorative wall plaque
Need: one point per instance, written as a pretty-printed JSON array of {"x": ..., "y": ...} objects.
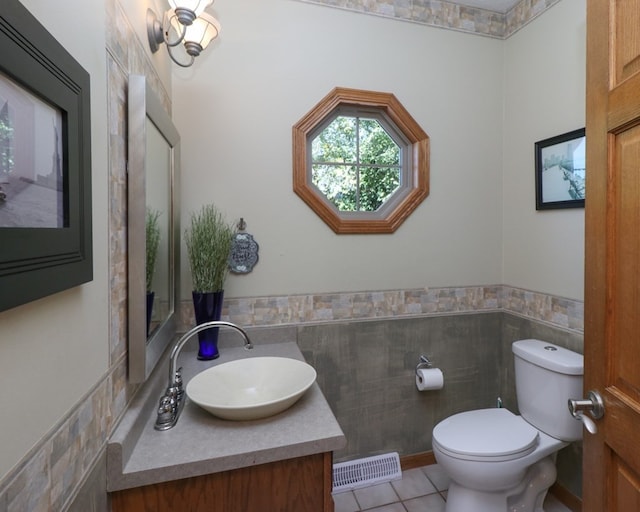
[{"x": 244, "y": 252}]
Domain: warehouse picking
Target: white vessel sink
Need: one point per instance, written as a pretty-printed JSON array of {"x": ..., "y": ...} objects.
[{"x": 252, "y": 388}]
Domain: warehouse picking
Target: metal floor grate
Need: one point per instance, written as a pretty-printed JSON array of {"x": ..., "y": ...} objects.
[{"x": 359, "y": 473}]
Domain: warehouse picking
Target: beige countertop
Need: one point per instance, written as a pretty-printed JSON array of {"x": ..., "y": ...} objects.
[{"x": 201, "y": 444}]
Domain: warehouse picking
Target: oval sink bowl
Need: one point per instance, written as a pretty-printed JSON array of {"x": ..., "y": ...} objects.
[{"x": 252, "y": 388}]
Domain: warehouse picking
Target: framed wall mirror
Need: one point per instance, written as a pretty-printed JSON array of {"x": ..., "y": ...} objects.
[{"x": 153, "y": 228}]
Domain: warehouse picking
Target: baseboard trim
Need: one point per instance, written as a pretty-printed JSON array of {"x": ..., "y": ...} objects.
[
  {"x": 418, "y": 460},
  {"x": 566, "y": 497}
]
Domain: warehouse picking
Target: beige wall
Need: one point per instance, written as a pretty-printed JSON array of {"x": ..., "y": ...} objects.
[
  {"x": 54, "y": 350},
  {"x": 544, "y": 96},
  {"x": 484, "y": 103},
  {"x": 273, "y": 62}
]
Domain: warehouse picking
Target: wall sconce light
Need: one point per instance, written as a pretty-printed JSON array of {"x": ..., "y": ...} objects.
[{"x": 193, "y": 28}]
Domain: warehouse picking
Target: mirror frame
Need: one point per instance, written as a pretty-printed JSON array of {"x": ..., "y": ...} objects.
[{"x": 144, "y": 352}]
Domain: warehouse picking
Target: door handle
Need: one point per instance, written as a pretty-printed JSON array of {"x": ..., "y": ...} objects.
[{"x": 593, "y": 404}]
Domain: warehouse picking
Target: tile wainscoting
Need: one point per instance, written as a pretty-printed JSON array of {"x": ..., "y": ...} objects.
[
  {"x": 54, "y": 476},
  {"x": 365, "y": 346},
  {"x": 556, "y": 311}
]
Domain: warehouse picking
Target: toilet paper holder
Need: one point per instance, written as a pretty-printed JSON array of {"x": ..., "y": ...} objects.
[{"x": 424, "y": 363}]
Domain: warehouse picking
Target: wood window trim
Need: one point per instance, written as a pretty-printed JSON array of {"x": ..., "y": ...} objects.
[{"x": 343, "y": 223}]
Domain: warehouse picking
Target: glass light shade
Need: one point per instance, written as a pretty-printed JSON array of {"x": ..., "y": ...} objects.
[
  {"x": 202, "y": 31},
  {"x": 197, "y": 6}
]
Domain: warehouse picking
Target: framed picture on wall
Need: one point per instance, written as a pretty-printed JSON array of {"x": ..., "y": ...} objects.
[
  {"x": 31, "y": 160},
  {"x": 561, "y": 171},
  {"x": 45, "y": 162}
]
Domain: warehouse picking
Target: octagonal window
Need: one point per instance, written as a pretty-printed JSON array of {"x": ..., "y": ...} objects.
[{"x": 360, "y": 161}]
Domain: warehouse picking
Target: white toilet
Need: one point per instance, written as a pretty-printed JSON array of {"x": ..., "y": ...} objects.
[{"x": 498, "y": 461}]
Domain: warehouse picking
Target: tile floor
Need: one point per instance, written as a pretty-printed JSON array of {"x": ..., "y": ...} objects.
[{"x": 420, "y": 490}]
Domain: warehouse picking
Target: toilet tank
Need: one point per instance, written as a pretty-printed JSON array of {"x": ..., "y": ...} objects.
[{"x": 546, "y": 377}]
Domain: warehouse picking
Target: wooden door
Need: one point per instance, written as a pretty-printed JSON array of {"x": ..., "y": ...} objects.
[{"x": 611, "y": 471}]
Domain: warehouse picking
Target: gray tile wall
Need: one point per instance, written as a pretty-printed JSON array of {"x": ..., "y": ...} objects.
[
  {"x": 366, "y": 371},
  {"x": 92, "y": 496}
]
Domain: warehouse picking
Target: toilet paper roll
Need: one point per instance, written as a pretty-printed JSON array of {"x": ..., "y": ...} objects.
[{"x": 429, "y": 378}]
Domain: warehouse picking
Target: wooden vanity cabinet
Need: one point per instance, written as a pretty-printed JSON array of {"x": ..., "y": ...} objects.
[{"x": 296, "y": 485}]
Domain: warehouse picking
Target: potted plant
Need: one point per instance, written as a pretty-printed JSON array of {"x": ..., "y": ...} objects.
[
  {"x": 209, "y": 238},
  {"x": 152, "y": 234}
]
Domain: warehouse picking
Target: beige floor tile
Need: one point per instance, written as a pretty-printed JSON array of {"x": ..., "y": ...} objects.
[
  {"x": 420, "y": 490},
  {"x": 394, "y": 507},
  {"x": 345, "y": 502},
  {"x": 431, "y": 503},
  {"x": 375, "y": 496},
  {"x": 437, "y": 476},
  {"x": 414, "y": 483}
]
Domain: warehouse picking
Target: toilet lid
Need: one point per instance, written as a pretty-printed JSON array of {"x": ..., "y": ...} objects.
[{"x": 495, "y": 434}]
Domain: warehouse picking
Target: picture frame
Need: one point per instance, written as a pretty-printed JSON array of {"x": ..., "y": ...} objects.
[
  {"x": 560, "y": 171},
  {"x": 45, "y": 162}
]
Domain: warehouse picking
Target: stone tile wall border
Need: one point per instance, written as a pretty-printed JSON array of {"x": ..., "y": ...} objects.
[
  {"x": 331, "y": 307},
  {"x": 448, "y": 15},
  {"x": 51, "y": 473}
]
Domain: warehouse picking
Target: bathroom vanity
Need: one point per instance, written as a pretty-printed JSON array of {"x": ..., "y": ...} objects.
[{"x": 281, "y": 463}]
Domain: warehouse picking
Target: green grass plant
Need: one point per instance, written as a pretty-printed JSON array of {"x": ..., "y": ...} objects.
[
  {"x": 153, "y": 242},
  {"x": 209, "y": 238}
]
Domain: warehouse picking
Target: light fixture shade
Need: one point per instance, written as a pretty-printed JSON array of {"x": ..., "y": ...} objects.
[
  {"x": 196, "y": 6},
  {"x": 202, "y": 31}
]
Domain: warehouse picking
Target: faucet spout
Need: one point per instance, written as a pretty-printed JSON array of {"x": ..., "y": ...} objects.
[
  {"x": 175, "y": 352},
  {"x": 172, "y": 401}
]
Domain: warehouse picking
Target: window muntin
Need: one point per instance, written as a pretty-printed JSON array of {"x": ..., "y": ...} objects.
[{"x": 355, "y": 162}]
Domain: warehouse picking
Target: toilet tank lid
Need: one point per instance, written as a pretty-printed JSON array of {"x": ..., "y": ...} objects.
[{"x": 550, "y": 356}]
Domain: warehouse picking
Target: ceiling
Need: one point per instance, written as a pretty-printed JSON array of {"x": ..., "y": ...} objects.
[{"x": 501, "y": 6}]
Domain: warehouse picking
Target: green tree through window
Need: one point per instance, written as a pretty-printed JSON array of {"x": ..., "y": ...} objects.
[{"x": 356, "y": 164}]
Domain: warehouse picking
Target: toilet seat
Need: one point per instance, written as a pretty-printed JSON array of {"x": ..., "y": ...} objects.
[{"x": 490, "y": 435}]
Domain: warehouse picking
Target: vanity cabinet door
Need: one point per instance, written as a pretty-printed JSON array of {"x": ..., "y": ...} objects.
[{"x": 296, "y": 485}]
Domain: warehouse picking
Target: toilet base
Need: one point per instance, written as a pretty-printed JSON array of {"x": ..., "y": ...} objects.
[
  {"x": 461, "y": 499},
  {"x": 528, "y": 496}
]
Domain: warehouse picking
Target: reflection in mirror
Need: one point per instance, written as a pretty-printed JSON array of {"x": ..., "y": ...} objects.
[
  {"x": 154, "y": 158},
  {"x": 158, "y": 199}
]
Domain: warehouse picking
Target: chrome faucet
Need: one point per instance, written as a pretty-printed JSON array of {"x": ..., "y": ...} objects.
[{"x": 172, "y": 401}]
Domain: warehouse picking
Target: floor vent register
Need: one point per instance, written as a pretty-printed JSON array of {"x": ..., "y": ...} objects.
[{"x": 358, "y": 473}]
